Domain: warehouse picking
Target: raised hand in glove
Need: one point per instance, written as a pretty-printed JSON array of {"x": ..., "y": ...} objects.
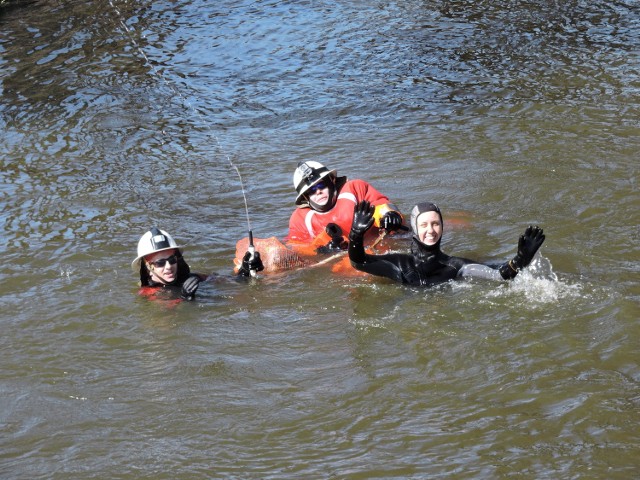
[
  {"x": 528, "y": 245},
  {"x": 362, "y": 220},
  {"x": 391, "y": 221},
  {"x": 249, "y": 264},
  {"x": 189, "y": 287}
]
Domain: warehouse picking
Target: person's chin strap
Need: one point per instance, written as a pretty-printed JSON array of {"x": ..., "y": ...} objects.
[{"x": 331, "y": 201}]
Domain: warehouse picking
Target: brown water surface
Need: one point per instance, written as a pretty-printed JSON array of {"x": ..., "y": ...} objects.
[{"x": 120, "y": 115}]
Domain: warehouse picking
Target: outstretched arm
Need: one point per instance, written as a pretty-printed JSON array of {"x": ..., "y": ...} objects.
[
  {"x": 528, "y": 245},
  {"x": 478, "y": 270}
]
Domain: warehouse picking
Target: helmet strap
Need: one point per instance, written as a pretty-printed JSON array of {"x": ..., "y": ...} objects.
[{"x": 331, "y": 201}]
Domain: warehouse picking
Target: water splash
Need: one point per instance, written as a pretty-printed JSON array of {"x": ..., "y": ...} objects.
[
  {"x": 66, "y": 271},
  {"x": 538, "y": 284}
]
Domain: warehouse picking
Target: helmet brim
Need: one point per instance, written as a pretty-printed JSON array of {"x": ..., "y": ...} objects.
[
  {"x": 300, "y": 199},
  {"x": 135, "y": 265}
]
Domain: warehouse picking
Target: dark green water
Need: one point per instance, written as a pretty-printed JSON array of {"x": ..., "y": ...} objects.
[{"x": 119, "y": 116}]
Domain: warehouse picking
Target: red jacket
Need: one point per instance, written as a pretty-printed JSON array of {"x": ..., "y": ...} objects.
[{"x": 305, "y": 223}]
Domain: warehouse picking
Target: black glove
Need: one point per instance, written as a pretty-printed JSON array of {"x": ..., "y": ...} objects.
[
  {"x": 334, "y": 231},
  {"x": 391, "y": 221},
  {"x": 528, "y": 245},
  {"x": 249, "y": 264},
  {"x": 337, "y": 240},
  {"x": 362, "y": 220},
  {"x": 189, "y": 287}
]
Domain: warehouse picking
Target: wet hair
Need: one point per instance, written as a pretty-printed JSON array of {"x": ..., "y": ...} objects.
[{"x": 182, "y": 273}]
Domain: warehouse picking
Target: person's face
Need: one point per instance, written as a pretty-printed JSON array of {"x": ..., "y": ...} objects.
[
  {"x": 160, "y": 269},
  {"x": 319, "y": 193},
  {"x": 429, "y": 228}
]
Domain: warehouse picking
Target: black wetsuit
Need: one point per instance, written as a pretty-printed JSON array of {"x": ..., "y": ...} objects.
[
  {"x": 184, "y": 273},
  {"x": 425, "y": 266}
]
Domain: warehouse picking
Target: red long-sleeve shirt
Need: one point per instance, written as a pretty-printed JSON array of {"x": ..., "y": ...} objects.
[{"x": 305, "y": 223}]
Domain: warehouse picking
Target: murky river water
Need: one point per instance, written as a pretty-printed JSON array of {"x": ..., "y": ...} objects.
[{"x": 119, "y": 116}]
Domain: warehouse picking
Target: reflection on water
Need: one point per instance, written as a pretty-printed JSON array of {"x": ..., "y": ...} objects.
[{"x": 119, "y": 116}]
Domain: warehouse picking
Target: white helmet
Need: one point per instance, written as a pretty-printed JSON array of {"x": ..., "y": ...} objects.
[
  {"x": 155, "y": 240},
  {"x": 308, "y": 174}
]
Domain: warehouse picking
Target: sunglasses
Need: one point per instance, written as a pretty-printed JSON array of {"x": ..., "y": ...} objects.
[
  {"x": 173, "y": 259},
  {"x": 318, "y": 186}
]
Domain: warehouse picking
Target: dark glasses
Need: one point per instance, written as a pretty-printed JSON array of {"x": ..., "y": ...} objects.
[
  {"x": 173, "y": 259},
  {"x": 318, "y": 186}
]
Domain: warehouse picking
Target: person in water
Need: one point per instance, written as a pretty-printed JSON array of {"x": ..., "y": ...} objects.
[
  {"x": 325, "y": 206},
  {"x": 161, "y": 265},
  {"x": 427, "y": 264}
]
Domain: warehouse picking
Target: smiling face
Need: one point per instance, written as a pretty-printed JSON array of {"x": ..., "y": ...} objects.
[
  {"x": 163, "y": 266},
  {"x": 429, "y": 228}
]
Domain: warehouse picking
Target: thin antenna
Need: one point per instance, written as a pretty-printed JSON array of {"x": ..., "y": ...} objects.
[
  {"x": 252, "y": 249},
  {"x": 177, "y": 91}
]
